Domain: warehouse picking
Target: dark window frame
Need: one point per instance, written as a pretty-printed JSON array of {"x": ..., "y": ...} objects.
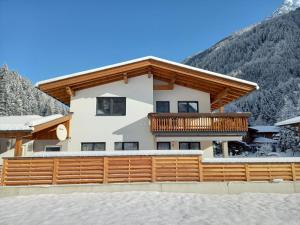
[
  {"x": 52, "y": 146},
  {"x": 164, "y": 102},
  {"x": 189, "y": 143},
  {"x": 157, "y": 143},
  {"x": 111, "y": 108},
  {"x": 126, "y": 142},
  {"x": 93, "y": 143},
  {"x": 188, "y": 107}
]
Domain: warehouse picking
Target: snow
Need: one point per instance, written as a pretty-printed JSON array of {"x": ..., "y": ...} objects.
[
  {"x": 264, "y": 140},
  {"x": 252, "y": 160},
  {"x": 265, "y": 129},
  {"x": 147, "y": 58},
  {"x": 150, "y": 208},
  {"x": 286, "y": 7},
  {"x": 24, "y": 123},
  {"x": 291, "y": 121},
  {"x": 118, "y": 153}
]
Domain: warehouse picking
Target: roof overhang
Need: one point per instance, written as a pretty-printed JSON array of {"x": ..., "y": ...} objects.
[
  {"x": 45, "y": 130},
  {"x": 222, "y": 89}
]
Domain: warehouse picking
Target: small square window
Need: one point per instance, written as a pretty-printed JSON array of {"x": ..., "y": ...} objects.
[
  {"x": 162, "y": 107},
  {"x": 188, "y": 107}
]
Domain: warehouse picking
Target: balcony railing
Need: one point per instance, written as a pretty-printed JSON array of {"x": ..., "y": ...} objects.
[{"x": 199, "y": 122}]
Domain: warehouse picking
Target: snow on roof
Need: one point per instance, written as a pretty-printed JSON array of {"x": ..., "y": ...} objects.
[
  {"x": 291, "y": 121},
  {"x": 265, "y": 129},
  {"x": 264, "y": 140},
  {"x": 142, "y": 59},
  {"x": 117, "y": 153},
  {"x": 251, "y": 160},
  {"x": 24, "y": 123}
]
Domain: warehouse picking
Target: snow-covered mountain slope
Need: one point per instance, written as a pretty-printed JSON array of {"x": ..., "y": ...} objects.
[
  {"x": 267, "y": 53},
  {"x": 286, "y": 7},
  {"x": 18, "y": 96}
]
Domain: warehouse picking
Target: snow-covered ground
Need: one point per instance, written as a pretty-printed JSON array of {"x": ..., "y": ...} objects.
[{"x": 130, "y": 208}]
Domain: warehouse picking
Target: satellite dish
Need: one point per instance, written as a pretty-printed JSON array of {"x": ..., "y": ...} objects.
[{"x": 61, "y": 132}]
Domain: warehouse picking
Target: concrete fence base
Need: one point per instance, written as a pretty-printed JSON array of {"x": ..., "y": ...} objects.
[{"x": 182, "y": 187}]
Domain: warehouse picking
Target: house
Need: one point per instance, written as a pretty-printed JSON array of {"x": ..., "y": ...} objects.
[
  {"x": 262, "y": 135},
  {"x": 30, "y": 133},
  {"x": 292, "y": 122},
  {"x": 149, "y": 104}
]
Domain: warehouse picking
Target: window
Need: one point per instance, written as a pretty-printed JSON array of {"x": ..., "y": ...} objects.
[
  {"x": 52, "y": 148},
  {"x": 187, "y": 106},
  {"x": 189, "y": 146},
  {"x": 111, "y": 106},
  {"x": 93, "y": 146},
  {"x": 163, "y": 145},
  {"x": 162, "y": 106},
  {"x": 126, "y": 146}
]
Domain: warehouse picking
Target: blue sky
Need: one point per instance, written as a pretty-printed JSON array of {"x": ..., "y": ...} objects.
[{"x": 43, "y": 39}]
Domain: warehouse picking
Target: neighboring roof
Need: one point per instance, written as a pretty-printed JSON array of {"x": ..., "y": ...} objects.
[
  {"x": 218, "y": 85},
  {"x": 295, "y": 120},
  {"x": 265, "y": 129},
  {"x": 24, "y": 123},
  {"x": 264, "y": 140}
]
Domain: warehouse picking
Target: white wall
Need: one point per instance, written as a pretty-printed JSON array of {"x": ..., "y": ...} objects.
[
  {"x": 180, "y": 93},
  {"x": 87, "y": 127}
]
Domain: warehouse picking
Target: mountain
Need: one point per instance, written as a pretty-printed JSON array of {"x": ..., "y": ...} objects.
[
  {"x": 267, "y": 53},
  {"x": 18, "y": 96},
  {"x": 286, "y": 7}
]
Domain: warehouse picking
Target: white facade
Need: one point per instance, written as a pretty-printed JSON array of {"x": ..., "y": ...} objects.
[{"x": 86, "y": 126}]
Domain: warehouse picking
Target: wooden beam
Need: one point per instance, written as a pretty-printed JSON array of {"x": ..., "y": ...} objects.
[
  {"x": 70, "y": 91},
  {"x": 163, "y": 87},
  {"x": 221, "y": 95},
  {"x": 149, "y": 74},
  {"x": 18, "y": 146},
  {"x": 125, "y": 78}
]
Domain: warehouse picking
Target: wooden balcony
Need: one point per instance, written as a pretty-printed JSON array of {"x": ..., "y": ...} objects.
[{"x": 199, "y": 122}]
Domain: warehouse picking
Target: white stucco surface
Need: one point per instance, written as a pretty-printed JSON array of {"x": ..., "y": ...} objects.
[
  {"x": 180, "y": 93},
  {"x": 87, "y": 127}
]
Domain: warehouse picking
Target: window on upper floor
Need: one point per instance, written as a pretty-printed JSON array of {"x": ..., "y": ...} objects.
[
  {"x": 126, "y": 146},
  {"x": 111, "y": 106},
  {"x": 189, "y": 146},
  {"x": 188, "y": 107},
  {"x": 162, "y": 107},
  {"x": 163, "y": 145},
  {"x": 92, "y": 146}
]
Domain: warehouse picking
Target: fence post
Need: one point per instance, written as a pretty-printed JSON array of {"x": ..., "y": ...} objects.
[
  {"x": 105, "y": 170},
  {"x": 200, "y": 169},
  {"x": 3, "y": 172},
  {"x": 293, "y": 171},
  {"x": 247, "y": 172},
  {"x": 153, "y": 169},
  {"x": 55, "y": 171}
]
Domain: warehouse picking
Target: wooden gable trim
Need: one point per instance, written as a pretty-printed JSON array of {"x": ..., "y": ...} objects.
[{"x": 51, "y": 123}]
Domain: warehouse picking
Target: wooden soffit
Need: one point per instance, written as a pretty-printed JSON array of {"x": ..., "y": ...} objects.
[{"x": 222, "y": 89}]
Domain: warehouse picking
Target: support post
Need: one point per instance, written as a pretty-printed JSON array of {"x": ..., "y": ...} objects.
[
  {"x": 55, "y": 170},
  {"x": 200, "y": 169},
  {"x": 247, "y": 172},
  {"x": 225, "y": 149},
  {"x": 293, "y": 171},
  {"x": 18, "y": 146},
  {"x": 105, "y": 170},
  {"x": 153, "y": 170}
]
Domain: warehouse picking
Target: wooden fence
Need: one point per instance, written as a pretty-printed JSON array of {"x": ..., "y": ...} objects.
[{"x": 125, "y": 169}]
